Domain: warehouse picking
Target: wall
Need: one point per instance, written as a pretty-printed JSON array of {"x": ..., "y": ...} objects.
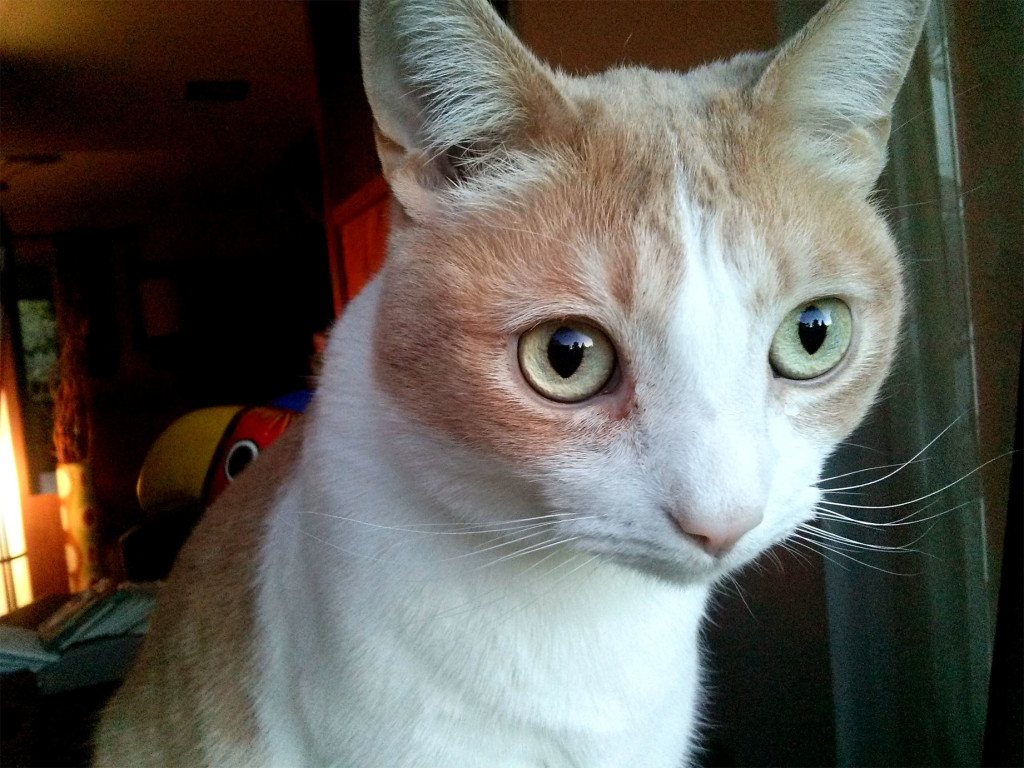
[
  {"x": 346, "y": 134},
  {"x": 584, "y": 37},
  {"x": 245, "y": 278}
]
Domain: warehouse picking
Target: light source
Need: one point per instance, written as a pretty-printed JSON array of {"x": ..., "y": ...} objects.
[{"x": 17, "y": 587}]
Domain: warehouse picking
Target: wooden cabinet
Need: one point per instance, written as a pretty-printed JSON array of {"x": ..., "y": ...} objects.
[{"x": 358, "y": 240}]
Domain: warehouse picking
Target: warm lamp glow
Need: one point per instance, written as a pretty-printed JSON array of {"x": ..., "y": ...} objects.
[{"x": 17, "y": 588}]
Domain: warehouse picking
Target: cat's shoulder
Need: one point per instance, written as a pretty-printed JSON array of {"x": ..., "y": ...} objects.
[{"x": 199, "y": 654}]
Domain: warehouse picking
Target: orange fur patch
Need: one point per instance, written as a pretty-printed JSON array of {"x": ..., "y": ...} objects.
[{"x": 597, "y": 235}]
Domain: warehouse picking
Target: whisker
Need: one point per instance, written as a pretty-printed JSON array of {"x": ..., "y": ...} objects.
[
  {"x": 839, "y": 517},
  {"x": 905, "y": 518},
  {"x": 845, "y": 541},
  {"x": 772, "y": 555},
  {"x": 901, "y": 466},
  {"x": 477, "y": 603},
  {"x": 923, "y": 112},
  {"x": 466, "y": 529},
  {"x": 837, "y": 545},
  {"x": 960, "y": 198},
  {"x": 812, "y": 544},
  {"x": 919, "y": 498},
  {"x": 797, "y": 554},
  {"x": 551, "y": 588},
  {"x": 499, "y": 545},
  {"x": 340, "y": 548},
  {"x": 540, "y": 562},
  {"x": 739, "y": 591},
  {"x": 863, "y": 447},
  {"x": 868, "y": 469},
  {"x": 529, "y": 550},
  {"x": 547, "y": 516},
  {"x": 814, "y": 547}
]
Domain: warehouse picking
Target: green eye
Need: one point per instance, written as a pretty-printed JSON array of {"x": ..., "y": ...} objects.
[
  {"x": 566, "y": 360},
  {"x": 812, "y": 339}
]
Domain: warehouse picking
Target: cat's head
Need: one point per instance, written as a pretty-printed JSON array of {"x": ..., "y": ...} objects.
[{"x": 650, "y": 303}]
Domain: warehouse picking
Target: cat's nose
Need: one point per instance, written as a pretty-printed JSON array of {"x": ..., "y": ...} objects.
[{"x": 716, "y": 536}]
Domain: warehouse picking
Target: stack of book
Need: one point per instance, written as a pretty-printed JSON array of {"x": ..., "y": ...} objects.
[{"x": 102, "y": 611}]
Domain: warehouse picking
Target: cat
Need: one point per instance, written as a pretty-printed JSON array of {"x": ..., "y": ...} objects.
[{"x": 623, "y": 321}]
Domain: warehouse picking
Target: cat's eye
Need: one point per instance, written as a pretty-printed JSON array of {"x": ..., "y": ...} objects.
[
  {"x": 566, "y": 360},
  {"x": 812, "y": 339}
]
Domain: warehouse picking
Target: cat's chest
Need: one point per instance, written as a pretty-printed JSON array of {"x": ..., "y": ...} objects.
[
  {"x": 589, "y": 654},
  {"x": 556, "y": 678},
  {"x": 414, "y": 645}
]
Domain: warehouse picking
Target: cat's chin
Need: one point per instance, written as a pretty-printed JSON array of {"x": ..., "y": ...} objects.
[
  {"x": 672, "y": 573},
  {"x": 680, "y": 571}
]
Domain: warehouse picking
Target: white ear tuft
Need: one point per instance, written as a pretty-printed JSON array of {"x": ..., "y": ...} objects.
[
  {"x": 837, "y": 79},
  {"x": 449, "y": 85}
]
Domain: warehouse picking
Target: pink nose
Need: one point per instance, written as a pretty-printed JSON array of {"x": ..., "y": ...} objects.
[{"x": 715, "y": 536}]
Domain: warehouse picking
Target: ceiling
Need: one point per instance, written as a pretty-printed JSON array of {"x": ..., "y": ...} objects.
[{"x": 95, "y": 127}]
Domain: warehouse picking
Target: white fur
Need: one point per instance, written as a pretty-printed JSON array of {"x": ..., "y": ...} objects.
[{"x": 394, "y": 648}]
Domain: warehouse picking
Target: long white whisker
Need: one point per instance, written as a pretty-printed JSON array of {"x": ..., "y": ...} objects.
[
  {"x": 541, "y": 561},
  {"x": 867, "y": 469},
  {"x": 837, "y": 538},
  {"x": 466, "y": 529},
  {"x": 529, "y": 550},
  {"x": 499, "y": 545},
  {"x": 818, "y": 550},
  {"x": 919, "y": 498},
  {"x": 784, "y": 544},
  {"x": 861, "y": 446},
  {"x": 907, "y": 519},
  {"x": 547, "y": 516},
  {"x": 835, "y": 551},
  {"x": 739, "y": 591},
  {"x": 332, "y": 545},
  {"x": 903, "y": 465},
  {"x": 831, "y": 514},
  {"x": 840, "y": 544},
  {"x": 554, "y": 584}
]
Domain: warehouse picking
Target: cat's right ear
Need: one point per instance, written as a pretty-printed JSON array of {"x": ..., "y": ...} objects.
[{"x": 452, "y": 92}]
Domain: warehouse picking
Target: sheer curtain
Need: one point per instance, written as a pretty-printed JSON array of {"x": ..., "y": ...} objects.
[{"x": 910, "y": 632}]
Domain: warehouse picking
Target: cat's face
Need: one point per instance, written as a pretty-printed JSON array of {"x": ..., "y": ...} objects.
[{"x": 620, "y": 314}]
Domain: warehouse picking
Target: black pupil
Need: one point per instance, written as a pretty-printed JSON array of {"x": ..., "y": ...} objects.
[
  {"x": 566, "y": 349},
  {"x": 813, "y": 329}
]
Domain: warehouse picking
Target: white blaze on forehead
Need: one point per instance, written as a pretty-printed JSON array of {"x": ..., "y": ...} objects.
[
  {"x": 711, "y": 326},
  {"x": 715, "y": 421}
]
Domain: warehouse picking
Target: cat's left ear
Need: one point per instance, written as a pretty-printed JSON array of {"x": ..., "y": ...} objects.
[
  {"x": 452, "y": 90},
  {"x": 836, "y": 80}
]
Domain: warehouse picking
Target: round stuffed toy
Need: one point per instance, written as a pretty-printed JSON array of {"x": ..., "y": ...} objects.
[{"x": 202, "y": 452}]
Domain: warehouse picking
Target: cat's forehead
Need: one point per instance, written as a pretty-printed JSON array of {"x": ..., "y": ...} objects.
[
  {"x": 617, "y": 205},
  {"x": 664, "y": 168}
]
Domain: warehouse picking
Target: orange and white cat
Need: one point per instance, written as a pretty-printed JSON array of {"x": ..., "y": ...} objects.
[{"x": 623, "y": 321}]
